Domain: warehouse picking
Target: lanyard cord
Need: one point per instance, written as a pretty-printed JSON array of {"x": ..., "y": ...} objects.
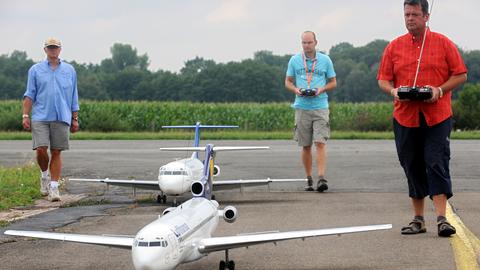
[{"x": 309, "y": 75}]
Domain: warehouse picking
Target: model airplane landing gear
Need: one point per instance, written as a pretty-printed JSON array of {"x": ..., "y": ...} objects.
[
  {"x": 230, "y": 265},
  {"x": 162, "y": 198}
]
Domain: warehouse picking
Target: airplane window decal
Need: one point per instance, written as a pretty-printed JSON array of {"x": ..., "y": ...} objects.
[{"x": 154, "y": 244}]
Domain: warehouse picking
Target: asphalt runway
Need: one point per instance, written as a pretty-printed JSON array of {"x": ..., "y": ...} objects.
[{"x": 367, "y": 186}]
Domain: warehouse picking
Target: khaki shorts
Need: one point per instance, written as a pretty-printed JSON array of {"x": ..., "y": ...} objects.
[
  {"x": 50, "y": 134},
  {"x": 312, "y": 126}
]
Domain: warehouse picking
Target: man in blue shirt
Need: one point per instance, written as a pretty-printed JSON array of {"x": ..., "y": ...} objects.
[
  {"x": 52, "y": 99},
  {"x": 310, "y": 75}
]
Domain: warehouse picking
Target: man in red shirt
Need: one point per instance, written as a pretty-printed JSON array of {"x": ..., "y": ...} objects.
[{"x": 422, "y": 128}]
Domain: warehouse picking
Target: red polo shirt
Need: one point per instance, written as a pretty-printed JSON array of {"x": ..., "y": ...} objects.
[{"x": 440, "y": 61}]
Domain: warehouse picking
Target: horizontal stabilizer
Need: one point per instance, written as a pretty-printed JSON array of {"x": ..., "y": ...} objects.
[
  {"x": 216, "y": 148},
  {"x": 200, "y": 126},
  {"x": 112, "y": 241},
  {"x": 208, "y": 245}
]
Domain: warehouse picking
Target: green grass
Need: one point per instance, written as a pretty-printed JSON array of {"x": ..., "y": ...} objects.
[
  {"x": 19, "y": 186},
  {"x": 87, "y": 202},
  {"x": 4, "y": 223},
  {"x": 229, "y": 135}
]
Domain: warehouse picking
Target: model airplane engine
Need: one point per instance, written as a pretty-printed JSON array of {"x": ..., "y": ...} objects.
[
  {"x": 230, "y": 214},
  {"x": 168, "y": 210},
  {"x": 197, "y": 188},
  {"x": 216, "y": 171}
]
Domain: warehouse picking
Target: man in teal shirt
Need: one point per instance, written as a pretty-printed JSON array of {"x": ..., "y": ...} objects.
[{"x": 310, "y": 75}]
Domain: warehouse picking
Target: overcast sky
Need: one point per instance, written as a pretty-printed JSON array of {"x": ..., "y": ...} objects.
[{"x": 174, "y": 31}]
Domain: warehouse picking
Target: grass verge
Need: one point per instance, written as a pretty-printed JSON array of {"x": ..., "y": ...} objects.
[
  {"x": 19, "y": 186},
  {"x": 4, "y": 223},
  {"x": 87, "y": 202}
]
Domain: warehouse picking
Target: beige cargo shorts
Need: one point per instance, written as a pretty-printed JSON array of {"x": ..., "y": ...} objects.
[{"x": 312, "y": 126}]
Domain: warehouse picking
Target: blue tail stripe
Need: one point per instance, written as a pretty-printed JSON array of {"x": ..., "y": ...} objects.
[{"x": 207, "y": 177}]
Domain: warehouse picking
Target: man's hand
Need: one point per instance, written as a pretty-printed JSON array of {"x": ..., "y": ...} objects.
[
  {"x": 26, "y": 123},
  {"x": 74, "y": 127},
  {"x": 298, "y": 91},
  {"x": 437, "y": 93},
  {"x": 319, "y": 91},
  {"x": 394, "y": 93}
]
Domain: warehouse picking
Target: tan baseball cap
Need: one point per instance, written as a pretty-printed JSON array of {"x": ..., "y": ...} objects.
[{"x": 53, "y": 42}]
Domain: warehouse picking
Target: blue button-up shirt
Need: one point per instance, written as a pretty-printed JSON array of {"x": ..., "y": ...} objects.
[{"x": 53, "y": 92}]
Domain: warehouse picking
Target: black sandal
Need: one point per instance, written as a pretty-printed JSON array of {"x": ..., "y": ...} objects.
[
  {"x": 445, "y": 229},
  {"x": 414, "y": 227}
]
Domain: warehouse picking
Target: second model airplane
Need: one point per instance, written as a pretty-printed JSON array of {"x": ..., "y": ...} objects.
[{"x": 176, "y": 178}]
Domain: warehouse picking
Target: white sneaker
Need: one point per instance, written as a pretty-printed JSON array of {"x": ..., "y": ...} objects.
[
  {"x": 53, "y": 194},
  {"x": 44, "y": 185}
]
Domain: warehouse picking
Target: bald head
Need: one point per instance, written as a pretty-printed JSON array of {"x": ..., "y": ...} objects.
[
  {"x": 310, "y": 33},
  {"x": 309, "y": 42}
]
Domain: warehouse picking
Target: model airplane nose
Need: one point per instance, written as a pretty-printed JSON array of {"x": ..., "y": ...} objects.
[
  {"x": 153, "y": 259},
  {"x": 171, "y": 184}
]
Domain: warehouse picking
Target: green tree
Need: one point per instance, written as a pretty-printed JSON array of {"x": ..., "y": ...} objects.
[
  {"x": 13, "y": 74},
  {"x": 124, "y": 55},
  {"x": 466, "y": 113}
]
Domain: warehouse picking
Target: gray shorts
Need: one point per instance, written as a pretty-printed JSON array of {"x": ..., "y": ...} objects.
[
  {"x": 50, "y": 134},
  {"x": 312, "y": 126}
]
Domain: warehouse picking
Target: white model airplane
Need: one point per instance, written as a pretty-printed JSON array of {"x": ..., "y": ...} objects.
[
  {"x": 184, "y": 234},
  {"x": 176, "y": 178}
]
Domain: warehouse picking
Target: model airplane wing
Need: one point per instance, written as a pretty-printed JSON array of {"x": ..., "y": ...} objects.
[
  {"x": 231, "y": 184},
  {"x": 143, "y": 184},
  {"x": 112, "y": 241},
  {"x": 208, "y": 245}
]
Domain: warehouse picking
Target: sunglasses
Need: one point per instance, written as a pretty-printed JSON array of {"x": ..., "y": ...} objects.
[{"x": 53, "y": 47}]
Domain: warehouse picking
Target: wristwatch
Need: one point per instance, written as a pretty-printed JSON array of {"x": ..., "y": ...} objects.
[{"x": 25, "y": 116}]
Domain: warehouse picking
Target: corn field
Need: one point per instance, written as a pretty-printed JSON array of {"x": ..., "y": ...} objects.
[{"x": 106, "y": 116}]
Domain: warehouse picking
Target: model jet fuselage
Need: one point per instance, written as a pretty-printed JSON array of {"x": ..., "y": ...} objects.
[{"x": 174, "y": 238}]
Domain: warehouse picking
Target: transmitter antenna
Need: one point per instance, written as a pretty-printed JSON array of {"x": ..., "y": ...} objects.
[{"x": 423, "y": 45}]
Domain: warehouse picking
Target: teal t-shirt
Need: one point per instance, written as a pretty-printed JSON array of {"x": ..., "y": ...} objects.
[{"x": 323, "y": 72}]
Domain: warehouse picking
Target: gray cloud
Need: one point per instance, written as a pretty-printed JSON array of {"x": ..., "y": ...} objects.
[{"x": 171, "y": 32}]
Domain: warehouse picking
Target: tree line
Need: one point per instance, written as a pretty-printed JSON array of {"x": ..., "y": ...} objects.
[{"x": 125, "y": 76}]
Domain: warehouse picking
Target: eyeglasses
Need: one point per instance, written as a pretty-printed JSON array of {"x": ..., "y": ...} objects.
[{"x": 51, "y": 47}]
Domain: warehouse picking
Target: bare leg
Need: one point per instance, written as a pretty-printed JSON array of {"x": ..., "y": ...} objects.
[
  {"x": 42, "y": 158},
  {"x": 307, "y": 159},
  {"x": 321, "y": 158},
  {"x": 55, "y": 165},
  {"x": 440, "y": 202},
  {"x": 418, "y": 206}
]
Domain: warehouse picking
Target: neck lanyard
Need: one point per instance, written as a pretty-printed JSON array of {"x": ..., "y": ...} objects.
[{"x": 309, "y": 75}]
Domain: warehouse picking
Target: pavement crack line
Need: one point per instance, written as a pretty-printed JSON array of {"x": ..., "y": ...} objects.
[{"x": 465, "y": 245}]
